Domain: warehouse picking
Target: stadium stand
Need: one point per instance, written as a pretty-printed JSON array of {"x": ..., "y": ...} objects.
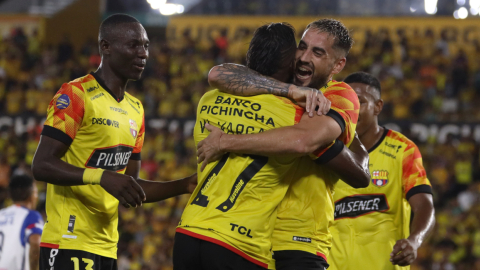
[{"x": 432, "y": 82}]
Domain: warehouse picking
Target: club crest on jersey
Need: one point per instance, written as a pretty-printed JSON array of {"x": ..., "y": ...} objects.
[
  {"x": 133, "y": 128},
  {"x": 380, "y": 178},
  {"x": 63, "y": 101}
]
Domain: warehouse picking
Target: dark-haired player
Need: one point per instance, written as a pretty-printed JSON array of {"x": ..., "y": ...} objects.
[
  {"x": 372, "y": 224},
  {"x": 89, "y": 154},
  {"x": 20, "y": 226},
  {"x": 301, "y": 239}
]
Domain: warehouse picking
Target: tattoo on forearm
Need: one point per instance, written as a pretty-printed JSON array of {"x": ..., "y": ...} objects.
[{"x": 240, "y": 80}]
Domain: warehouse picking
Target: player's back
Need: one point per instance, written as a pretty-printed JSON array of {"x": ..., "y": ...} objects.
[
  {"x": 235, "y": 200},
  {"x": 15, "y": 228}
]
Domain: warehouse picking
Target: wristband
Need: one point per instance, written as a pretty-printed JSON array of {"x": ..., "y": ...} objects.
[{"x": 92, "y": 176}]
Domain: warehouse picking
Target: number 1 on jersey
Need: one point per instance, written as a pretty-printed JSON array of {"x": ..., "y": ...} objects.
[{"x": 238, "y": 186}]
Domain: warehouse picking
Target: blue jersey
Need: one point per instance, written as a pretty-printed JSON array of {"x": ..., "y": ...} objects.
[{"x": 17, "y": 224}]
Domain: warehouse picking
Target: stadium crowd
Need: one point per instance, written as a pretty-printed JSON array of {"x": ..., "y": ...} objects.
[{"x": 424, "y": 78}]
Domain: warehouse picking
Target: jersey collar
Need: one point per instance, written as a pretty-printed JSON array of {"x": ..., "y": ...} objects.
[
  {"x": 104, "y": 86},
  {"x": 385, "y": 131}
]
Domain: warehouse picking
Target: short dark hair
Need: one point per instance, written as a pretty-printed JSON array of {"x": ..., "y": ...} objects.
[
  {"x": 20, "y": 187},
  {"x": 112, "y": 21},
  {"x": 343, "y": 40},
  {"x": 270, "y": 48},
  {"x": 365, "y": 78}
]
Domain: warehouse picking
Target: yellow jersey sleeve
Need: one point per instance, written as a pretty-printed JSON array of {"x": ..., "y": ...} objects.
[
  {"x": 65, "y": 113},
  {"x": 344, "y": 110},
  {"x": 414, "y": 177},
  {"x": 139, "y": 140}
]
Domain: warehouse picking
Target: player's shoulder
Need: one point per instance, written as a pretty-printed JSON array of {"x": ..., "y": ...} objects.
[
  {"x": 336, "y": 85},
  {"x": 79, "y": 83},
  {"x": 395, "y": 136}
]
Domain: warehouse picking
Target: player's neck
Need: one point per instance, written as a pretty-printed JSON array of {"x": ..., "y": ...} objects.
[
  {"x": 371, "y": 136},
  {"x": 114, "y": 83},
  {"x": 25, "y": 204}
]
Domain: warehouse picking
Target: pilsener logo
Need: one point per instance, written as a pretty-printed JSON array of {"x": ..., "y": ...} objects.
[
  {"x": 359, "y": 205},
  {"x": 105, "y": 121},
  {"x": 113, "y": 158}
]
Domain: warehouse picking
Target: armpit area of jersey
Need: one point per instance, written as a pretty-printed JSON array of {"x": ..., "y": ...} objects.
[{"x": 57, "y": 135}]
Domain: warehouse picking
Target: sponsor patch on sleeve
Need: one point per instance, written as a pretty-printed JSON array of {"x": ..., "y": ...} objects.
[{"x": 63, "y": 101}]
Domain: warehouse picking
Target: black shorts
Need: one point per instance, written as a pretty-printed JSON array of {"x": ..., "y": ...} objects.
[
  {"x": 68, "y": 259},
  {"x": 190, "y": 253},
  {"x": 298, "y": 260}
]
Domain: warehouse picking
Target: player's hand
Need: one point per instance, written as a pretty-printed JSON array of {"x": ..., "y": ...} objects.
[
  {"x": 404, "y": 252},
  {"x": 310, "y": 99},
  {"x": 191, "y": 183},
  {"x": 209, "y": 150},
  {"x": 123, "y": 187}
]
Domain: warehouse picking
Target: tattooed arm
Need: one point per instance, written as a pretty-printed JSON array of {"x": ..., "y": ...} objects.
[{"x": 241, "y": 81}]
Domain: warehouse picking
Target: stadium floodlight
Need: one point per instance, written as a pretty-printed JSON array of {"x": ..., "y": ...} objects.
[
  {"x": 412, "y": 9},
  {"x": 431, "y": 6},
  {"x": 461, "y": 2},
  {"x": 462, "y": 13},
  {"x": 474, "y": 7},
  {"x": 166, "y": 9},
  {"x": 455, "y": 14}
]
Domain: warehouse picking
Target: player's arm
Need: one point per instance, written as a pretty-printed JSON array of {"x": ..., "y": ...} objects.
[
  {"x": 351, "y": 164},
  {"x": 34, "y": 253},
  {"x": 241, "y": 81},
  {"x": 405, "y": 250},
  {"x": 301, "y": 139},
  {"x": 157, "y": 191},
  {"x": 48, "y": 166}
]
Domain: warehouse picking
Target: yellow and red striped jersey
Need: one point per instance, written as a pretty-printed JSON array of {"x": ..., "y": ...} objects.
[
  {"x": 369, "y": 221},
  {"x": 101, "y": 132}
]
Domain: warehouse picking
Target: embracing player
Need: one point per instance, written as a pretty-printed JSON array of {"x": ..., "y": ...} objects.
[
  {"x": 229, "y": 220},
  {"x": 89, "y": 154},
  {"x": 372, "y": 224},
  {"x": 301, "y": 239},
  {"x": 20, "y": 226}
]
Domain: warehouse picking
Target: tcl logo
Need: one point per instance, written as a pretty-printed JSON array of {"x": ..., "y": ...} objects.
[{"x": 105, "y": 121}]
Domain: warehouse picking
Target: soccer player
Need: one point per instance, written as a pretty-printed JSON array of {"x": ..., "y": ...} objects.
[
  {"x": 229, "y": 219},
  {"x": 301, "y": 239},
  {"x": 20, "y": 226},
  {"x": 372, "y": 224},
  {"x": 89, "y": 154}
]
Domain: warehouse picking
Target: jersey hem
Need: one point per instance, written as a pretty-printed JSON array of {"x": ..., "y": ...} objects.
[
  {"x": 93, "y": 251},
  {"x": 223, "y": 244},
  {"x": 56, "y": 134},
  {"x": 419, "y": 189}
]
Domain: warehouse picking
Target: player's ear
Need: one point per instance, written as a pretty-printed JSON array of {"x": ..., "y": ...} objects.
[
  {"x": 339, "y": 65},
  {"x": 104, "y": 47},
  {"x": 378, "y": 106}
]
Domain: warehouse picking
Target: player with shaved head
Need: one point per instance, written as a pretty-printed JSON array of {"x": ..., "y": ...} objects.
[{"x": 89, "y": 154}]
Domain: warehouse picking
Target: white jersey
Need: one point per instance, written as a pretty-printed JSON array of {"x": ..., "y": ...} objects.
[{"x": 17, "y": 223}]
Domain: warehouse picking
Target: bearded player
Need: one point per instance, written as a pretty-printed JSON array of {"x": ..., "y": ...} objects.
[
  {"x": 301, "y": 238},
  {"x": 217, "y": 236},
  {"x": 90, "y": 152},
  {"x": 372, "y": 225}
]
